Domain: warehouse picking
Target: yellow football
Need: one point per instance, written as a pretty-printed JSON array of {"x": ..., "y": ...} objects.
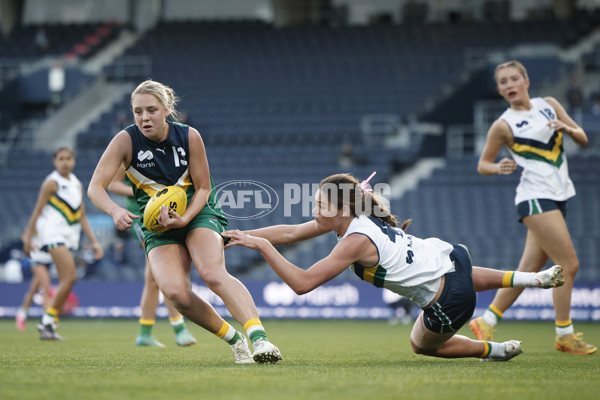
[{"x": 172, "y": 196}]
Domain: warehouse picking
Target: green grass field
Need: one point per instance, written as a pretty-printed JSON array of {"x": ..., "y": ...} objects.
[{"x": 322, "y": 360}]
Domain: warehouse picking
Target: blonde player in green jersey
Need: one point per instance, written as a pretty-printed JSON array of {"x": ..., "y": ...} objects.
[{"x": 156, "y": 152}]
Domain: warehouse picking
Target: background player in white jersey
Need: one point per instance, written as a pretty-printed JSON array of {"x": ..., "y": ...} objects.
[
  {"x": 436, "y": 275},
  {"x": 534, "y": 130},
  {"x": 58, "y": 218},
  {"x": 157, "y": 152},
  {"x": 149, "y": 300}
]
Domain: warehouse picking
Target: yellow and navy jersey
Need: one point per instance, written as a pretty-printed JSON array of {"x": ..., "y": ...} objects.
[
  {"x": 155, "y": 165},
  {"x": 66, "y": 202},
  {"x": 407, "y": 265},
  {"x": 540, "y": 152}
]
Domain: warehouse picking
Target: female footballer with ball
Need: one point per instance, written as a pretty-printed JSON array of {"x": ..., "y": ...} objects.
[
  {"x": 436, "y": 275},
  {"x": 534, "y": 130},
  {"x": 57, "y": 219},
  {"x": 155, "y": 153},
  {"x": 149, "y": 301}
]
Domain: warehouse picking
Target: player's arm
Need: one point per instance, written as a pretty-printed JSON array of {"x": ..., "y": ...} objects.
[
  {"x": 280, "y": 235},
  {"x": 565, "y": 123},
  {"x": 48, "y": 188},
  {"x": 289, "y": 234},
  {"x": 89, "y": 232},
  {"x": 200, "y": 174},
  {"x": 117, "y": 186},
  {"x": 498, "y": 135},
  {"x": 299, "y": 280},
  {"x": 116, "y": 155}
]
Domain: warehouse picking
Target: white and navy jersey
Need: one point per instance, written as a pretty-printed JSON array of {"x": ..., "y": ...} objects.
[
  {"x": 408, "y": 265},
  {"x": 59, "y": 222},
  {"x": 155, "y": 165},
  {"x": 539, "y": 151}
]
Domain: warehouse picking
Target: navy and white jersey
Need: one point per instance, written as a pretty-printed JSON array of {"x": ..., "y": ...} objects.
[
  {"x": 407, "y": 265},
  {"x": 539, "y": 151},
  {"x": 155, "y": 165}
]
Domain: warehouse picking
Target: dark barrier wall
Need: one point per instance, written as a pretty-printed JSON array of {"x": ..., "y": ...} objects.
[{"x": 276, "y": 300}]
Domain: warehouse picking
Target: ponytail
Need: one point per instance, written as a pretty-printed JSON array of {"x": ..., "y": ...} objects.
[{"x": 379, "y": 210}]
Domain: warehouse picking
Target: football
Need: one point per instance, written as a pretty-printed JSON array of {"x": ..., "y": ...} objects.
[{"x": 172, "y": 196}]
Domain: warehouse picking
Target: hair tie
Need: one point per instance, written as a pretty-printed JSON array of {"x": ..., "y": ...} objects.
[{"x": 365, "y": 183}]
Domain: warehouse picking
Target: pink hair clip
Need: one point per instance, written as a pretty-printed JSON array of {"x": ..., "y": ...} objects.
[{"x": 365, "y": 183}]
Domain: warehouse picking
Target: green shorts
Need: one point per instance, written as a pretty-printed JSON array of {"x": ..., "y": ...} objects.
[
  {"x": 136, "y": 230},
  {"x": 205, "y": 219}
]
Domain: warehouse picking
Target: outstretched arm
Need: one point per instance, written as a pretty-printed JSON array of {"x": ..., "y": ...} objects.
[
  {"x": 303, "y": 281},
  {"x": 279, "y": 235}
]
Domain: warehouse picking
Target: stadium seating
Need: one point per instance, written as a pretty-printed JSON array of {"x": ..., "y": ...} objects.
[
  {"x": 591, "y": 59},
  {"x": 274, "y": 105},
  {"x": 62, "y": 39}
]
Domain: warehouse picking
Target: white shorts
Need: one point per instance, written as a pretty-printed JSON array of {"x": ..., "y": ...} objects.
[{"x": 38, "y": 256}]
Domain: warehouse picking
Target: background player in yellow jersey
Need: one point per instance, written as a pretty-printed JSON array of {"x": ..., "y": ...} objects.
[
  {"x": 155, "y": 153},
  {"x": 58, "y": 218},
  {"x": 149, "y": 301},
  {"x": 533, "y": 129}
]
